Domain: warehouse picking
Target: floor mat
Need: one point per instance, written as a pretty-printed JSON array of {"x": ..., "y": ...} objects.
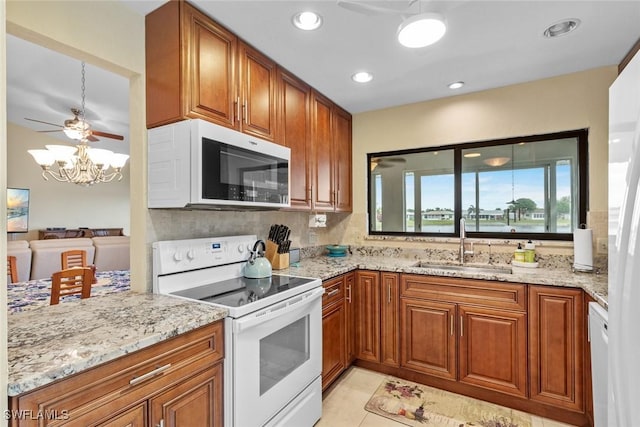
[{"x": 415, "y": 404}]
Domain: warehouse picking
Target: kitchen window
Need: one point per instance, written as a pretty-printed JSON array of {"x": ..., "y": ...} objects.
[{"x": 534, "y": 187}]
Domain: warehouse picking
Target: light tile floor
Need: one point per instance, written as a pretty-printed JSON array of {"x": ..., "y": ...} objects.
[{"x": 343, "y": 403}]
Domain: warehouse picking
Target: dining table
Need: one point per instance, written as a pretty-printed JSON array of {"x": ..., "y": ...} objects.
[{"x": 29, "y": 295}]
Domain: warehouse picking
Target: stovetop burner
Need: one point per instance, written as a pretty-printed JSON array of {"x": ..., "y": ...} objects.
[{"x": 240, "y": 291}]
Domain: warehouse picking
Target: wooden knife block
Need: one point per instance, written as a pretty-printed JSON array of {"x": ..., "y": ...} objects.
[{"x": 278, "y": 261}]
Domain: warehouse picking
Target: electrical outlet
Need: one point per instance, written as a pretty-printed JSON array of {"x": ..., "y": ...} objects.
[{"x": 602, "y": 245}]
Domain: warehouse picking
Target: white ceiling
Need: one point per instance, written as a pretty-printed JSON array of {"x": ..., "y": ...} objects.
[{"x": 488, "y": 44}]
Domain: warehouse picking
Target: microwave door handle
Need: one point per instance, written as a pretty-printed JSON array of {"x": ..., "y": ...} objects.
[{"x": 257, "y": 319}]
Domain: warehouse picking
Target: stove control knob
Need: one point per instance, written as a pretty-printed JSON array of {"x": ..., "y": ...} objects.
[
  {"x": 177, "y": 256},
  {"x": 191, "y": 254}
]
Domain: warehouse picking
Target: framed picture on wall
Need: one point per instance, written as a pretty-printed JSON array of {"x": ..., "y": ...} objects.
[{"x": 17, "y": 210}]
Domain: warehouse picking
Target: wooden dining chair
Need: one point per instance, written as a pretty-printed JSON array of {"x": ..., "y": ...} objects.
[
  {"x": 70, "y": 282},
  {"x": 74, "y": 258},
  {"x": 12, "y": 268}
]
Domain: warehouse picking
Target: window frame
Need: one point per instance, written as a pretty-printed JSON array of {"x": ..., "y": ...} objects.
[{"x": 582, "y": 193}]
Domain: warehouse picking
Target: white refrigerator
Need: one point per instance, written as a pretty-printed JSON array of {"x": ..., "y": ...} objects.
[{"x": 624, "y": 248}]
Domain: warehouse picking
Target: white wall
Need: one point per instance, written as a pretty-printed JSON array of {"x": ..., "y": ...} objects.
[{"x": 58, "y": 204}]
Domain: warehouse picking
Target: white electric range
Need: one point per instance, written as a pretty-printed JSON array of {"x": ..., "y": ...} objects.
[{"x": 273, "y": 334}]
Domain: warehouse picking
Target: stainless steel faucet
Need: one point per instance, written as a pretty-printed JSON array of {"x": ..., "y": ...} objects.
[{"x": 463, "y": 252}]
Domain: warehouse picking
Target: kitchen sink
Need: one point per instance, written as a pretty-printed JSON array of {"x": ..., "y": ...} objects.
[{"x": 469, "y": 268}]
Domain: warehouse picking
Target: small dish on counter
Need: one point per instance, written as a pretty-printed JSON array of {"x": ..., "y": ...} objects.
[{"x": 337, "y": 250}]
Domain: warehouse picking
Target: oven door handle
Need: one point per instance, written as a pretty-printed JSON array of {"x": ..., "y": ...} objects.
[{"x": 277, "y": 310}]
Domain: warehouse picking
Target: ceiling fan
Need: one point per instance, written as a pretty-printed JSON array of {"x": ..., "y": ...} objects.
[
  {"x": 78, "y": 128},
  {"x": 386, "y": 162},
  {"x": 404, "y": 7}
]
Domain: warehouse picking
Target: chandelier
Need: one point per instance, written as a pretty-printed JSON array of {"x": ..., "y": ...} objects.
[{"x": 81, "y": 164}]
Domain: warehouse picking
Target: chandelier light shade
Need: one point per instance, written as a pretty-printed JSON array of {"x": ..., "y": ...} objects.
[
  {"x": 421, "y": 30},
  {"x": 81, "y": 164}
]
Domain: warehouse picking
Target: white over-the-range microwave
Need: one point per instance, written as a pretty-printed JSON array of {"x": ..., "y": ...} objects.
[{"x": 200, "y": 165}]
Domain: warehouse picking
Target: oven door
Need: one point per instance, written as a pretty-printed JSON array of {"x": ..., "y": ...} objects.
[{"x": 277, "y": 353}]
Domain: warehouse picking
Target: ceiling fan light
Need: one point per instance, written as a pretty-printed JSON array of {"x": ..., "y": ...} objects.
[
  {"x": 73, "y": 133},
  {"x": 421, "y": 30},
  {"x": 42, "y": 157}
]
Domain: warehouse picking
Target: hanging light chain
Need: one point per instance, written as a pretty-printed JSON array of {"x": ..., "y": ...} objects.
[{"x": 82, "y": 89}]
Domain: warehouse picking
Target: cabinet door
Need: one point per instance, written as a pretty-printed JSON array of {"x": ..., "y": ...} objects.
[
  {"x": 333, "y": 343},
  {"x": 492, "y": 349},
  {"x": 258, "y": 80},
  {"x": 556, "y": 340},
  {"x": 134, "y": 417},
  {"x": 428, "y": 337},
  {"x": 211, "y": 80},
  {"x": 367, "y": 315},
  {"x": 294, "y": 132},
  {"x": 322, "y": 188},
  {"x": 196, "y": 401},
  {"x": 350, "y": 314},
  {"x": 389, "y": 319},
  {"x": 342, "y": 158}
]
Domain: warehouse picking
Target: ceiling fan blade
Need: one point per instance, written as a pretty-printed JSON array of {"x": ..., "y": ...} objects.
[
  {"x": 92, "y": 138},
  {"x": 107, "y": 135},
  {"x": 369, "y": 9},
  {"x": 46, "y": 123},
  {"x": 47, "y": 131}
]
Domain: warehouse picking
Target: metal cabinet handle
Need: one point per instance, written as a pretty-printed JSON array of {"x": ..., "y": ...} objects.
[
  {"x": 144, "y": 377},
  {"x": 238, "y": 116},
  {"x": 388, "y": 293},
  {"x": 333, "y": 292},
  {"x": 451, "y": 325},
  {"x": 244, "y": 112},
  {"x": 461, "y": 326},
  {"x": 161, "y": 423},
  {"x": 349, "y": 293}
]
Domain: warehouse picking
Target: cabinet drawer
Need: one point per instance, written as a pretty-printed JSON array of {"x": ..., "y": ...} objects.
[
  {"x": 487, "y": 293},
  {"x": 92, "y": 396},
  {"x": 333, "y": 291}
]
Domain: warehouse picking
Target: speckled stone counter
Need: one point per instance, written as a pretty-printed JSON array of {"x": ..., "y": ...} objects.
[
  {"x": 326, "y": 267},
  {"x": 56, "y": 341}
]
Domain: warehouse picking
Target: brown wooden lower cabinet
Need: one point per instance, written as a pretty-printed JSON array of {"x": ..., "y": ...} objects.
[
  {"x": 334, "y": 325},
  {"x": 185, "y": 390},
  {"x": 517, "y": 345},
  {"x": 556, "y": 346},
  {"x": 366, "y": 295}
]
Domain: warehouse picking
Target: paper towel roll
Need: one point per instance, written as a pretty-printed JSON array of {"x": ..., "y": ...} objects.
[{"x": 583, "y": 249}]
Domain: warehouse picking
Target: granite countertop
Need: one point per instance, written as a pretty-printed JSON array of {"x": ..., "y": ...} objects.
[
  {"x": 325, "y": 267},
  {"x": 56, "y": 341}
]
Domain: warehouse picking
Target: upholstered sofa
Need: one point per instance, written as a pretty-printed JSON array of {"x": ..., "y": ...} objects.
[
  {"x": 39, "y": 259},
  {"x": 112, "y": 253},
  {"x": 20, "y": 249},
  {"x": 46, "y": 254}
]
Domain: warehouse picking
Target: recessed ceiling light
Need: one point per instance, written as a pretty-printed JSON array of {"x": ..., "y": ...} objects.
[
  {"x": 561, "y": 28},
  {"x": 362, "y": 77},
  {"x": 307, "y": 20},
  {"x": 421, "y": 30},
  {"x": 456, "y": 85},
  {"x": 472, "y": 155}
]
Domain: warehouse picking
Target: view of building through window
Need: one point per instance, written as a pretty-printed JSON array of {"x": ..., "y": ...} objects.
[{"x": 529, "y": 186}]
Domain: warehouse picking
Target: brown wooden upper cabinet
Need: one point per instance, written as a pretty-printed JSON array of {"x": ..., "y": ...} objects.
[
  {"x": 331, "y": 154},
  {"x": 196, "y": 68}
]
